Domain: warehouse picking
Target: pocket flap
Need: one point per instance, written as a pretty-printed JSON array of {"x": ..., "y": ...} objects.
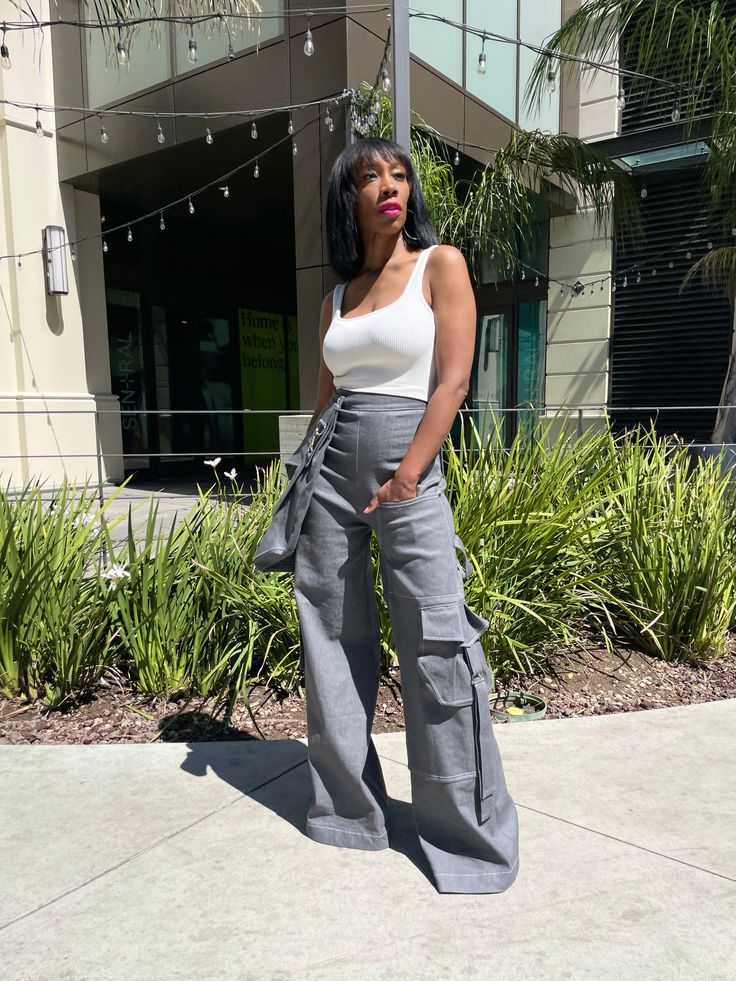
[
  {"x": 448, "y": 677},
  {"x": 443, "y": 621}
]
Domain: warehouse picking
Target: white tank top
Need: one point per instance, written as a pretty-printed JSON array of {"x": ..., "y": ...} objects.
[{"x": 389, "y": 350}]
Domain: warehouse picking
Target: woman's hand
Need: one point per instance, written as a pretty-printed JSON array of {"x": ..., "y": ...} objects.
[{"x": 395, "y": 489}]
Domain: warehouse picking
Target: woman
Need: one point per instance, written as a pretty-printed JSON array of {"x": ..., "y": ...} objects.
[{"x": 397, "y": 345}]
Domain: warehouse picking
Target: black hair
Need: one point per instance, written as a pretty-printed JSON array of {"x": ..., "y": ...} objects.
[{"x": 344, "y": 243}]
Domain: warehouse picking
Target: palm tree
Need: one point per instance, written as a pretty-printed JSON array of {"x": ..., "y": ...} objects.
[
  {"x": 488, "y": 214},
  {"x": 691, "y": 45}
]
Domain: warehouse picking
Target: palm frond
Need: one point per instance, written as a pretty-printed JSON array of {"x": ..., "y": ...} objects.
[{"x": 716, "y": 270}]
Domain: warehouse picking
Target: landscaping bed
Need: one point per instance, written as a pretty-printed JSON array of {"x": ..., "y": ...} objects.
[{"x": 586, "y": 681}]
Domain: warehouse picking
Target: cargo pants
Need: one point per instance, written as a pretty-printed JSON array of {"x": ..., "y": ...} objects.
[{"x": 466, "y": 820}]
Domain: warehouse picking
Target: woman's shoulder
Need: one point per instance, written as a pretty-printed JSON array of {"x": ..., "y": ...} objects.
[{"x": 445, "y": 258}]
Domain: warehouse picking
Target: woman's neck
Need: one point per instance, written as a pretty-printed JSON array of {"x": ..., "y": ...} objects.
[{"x": 379, "y": 252}]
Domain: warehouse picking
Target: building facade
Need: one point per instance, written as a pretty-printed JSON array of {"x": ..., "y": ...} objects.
[{"x": 194, "y": 313}]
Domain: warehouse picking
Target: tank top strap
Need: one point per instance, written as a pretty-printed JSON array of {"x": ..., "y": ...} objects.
[
  {"x": 337, "y": 298},
  {"x": 417, "y": 273}
]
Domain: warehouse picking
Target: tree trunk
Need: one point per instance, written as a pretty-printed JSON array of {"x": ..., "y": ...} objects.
[{"x": 725, "y": 428}]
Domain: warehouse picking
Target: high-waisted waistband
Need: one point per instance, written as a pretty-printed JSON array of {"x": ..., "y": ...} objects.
[{"x": 376, "y": 401}]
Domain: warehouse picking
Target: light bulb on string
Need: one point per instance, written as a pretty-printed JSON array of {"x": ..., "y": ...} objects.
[
  {"x": 192, "y": 55},
  {"x": 675, "y": 113},
  {"x": 536, "y": 280},
  {"x": 73, "y": 252},
  {"x": 551, "y": 78},
  {"x": 191, "y": 207},
  {"x": 621, "y": 97},
  {"x": 638, "y": 276},
  {"x": 39, "y": 127},
  {"x": 482, "y": 59},
  {"x": 385, "y": 80},
  {"x": 256, "y": 171},
  {"x": 308, "y": 40},
  {"x": 4, "y": 53},
  {"x": 230, "y": 50},
  {"x": 625, "y": 282},
  {"x": 644, "y": 192},
  {"x": 162, "y": 223},
  {"x": 225, "y": 191},
  {"x": 104, "y": 245},
  {"x": 710, "y": 244},
  {"x": 253, "y": 130},
  {"x": 290, "y": 127},
  {"x": 328, "y": 122},
  {"x": 104, "y": 138},
  {"x": 613, "y": 286},
  {"x": 456, "y": 158},
  {"x": 208, "y": 138},
  {"x": 733, "y": 230},
  {"x": 120, "y": 50},
  {"x": 294, "y": 149},
  {"x": 130, "y": 234},
  {"x": 160, "y": 133},
  {"x": 19, "y": 262}
]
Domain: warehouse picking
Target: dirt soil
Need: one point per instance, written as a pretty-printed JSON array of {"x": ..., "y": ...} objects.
[{"x": 586, "y": 681}]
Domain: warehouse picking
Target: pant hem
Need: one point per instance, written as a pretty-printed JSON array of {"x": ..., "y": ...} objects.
[
  {"x": 328, "y": 835},
  {"x": 477, "y": 882}
]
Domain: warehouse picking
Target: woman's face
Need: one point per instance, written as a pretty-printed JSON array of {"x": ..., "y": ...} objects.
[{"x": 382, "y": 197}]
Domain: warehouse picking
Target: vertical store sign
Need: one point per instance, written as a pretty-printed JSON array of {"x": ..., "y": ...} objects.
[{"x": 263, "y": 376}]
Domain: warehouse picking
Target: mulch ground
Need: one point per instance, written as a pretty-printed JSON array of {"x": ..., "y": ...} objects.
[{"x": 586, "y": 681}]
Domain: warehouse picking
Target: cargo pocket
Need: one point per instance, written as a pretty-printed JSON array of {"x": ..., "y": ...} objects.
[{"x": 441, "y": 662}]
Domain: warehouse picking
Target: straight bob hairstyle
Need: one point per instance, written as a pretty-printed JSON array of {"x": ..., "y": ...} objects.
[{"x": 344, "y": 243}]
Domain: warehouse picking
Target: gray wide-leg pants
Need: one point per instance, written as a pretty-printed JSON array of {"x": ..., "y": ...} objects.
[{"x": 466, "y": 820}]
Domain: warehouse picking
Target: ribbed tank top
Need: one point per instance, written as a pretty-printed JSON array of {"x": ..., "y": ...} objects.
[{"x": 389, "y": 350}]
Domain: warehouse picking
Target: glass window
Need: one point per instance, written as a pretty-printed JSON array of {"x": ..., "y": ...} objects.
[
  {"x": 539, "y": 19},
  {"x": 211, "y": 38},
  {"x": 439, "y": 44},
  {"x": 149, "y": 64},
  {"x": 530, "y": 364},
  {"x": 497, "y": 87}
]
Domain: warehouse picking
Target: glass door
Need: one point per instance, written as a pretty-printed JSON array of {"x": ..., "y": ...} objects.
[{"x": 490, "y": 387}]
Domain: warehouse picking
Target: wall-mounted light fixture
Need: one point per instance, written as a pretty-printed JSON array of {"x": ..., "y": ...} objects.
[{"x": 54, "y": 257}]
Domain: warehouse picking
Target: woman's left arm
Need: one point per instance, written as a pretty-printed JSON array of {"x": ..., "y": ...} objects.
[{"x": 454, "y": 309}]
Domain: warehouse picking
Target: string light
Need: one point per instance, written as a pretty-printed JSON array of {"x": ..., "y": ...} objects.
[
  {"x": 294, "y": 149},
  {"x": 4, "y": 52},
  {"x": 160, "y": 135},
  {"x": 290, "y": 127},
  {"x": 104, "y": 245},
  {"x": 208, "y": 138},
  {"x": 643, "y": 191},
  {"x": 675, "y": 113},
  {"x": 225, "y": 191},
  {"x": 253, "y": 131},
  {"x": 256, "y": 171},
  {"x": 191, "y": 207},
  {"x": 328, "y": 122},
  {"x": 120, "y": 50},
  {"x": 308, "y": 39},
  {"x": 385, "y": 80},
  {"x": 456, "y": 158},
  {"x": 130, "y": 234},
  {"x": 621, "y": 97},
  {"x": 162, "y": 223},
  {"x": 551, "y": 78},
  {"x": 104, "y": 138},
  {"x": 39, "y": 127},
  {"x": 192, "y": 55},
  {"x": 72, "y": 252},
  {"x": 482, "y": 60}
]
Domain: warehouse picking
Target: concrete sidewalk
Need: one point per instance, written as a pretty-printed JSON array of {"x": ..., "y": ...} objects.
[{"x": 186, "y": 861}]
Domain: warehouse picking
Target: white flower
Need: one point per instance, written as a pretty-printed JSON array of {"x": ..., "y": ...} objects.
[
  {"x": 115, "y": 574},
  {"x": 213, "y": 463},
  {"x": 232, "y": 474}
]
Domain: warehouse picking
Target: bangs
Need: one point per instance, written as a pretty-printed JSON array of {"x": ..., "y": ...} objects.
[{"x": 372, "y": 150}]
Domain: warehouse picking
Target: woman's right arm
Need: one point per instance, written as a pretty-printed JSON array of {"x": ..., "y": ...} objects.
[{"x": 326, "y": 383}]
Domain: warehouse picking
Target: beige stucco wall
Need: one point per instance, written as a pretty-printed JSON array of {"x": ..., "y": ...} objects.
[
  {"x": 49, "y": 389},
  {"x": 579, "y": 327}
]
